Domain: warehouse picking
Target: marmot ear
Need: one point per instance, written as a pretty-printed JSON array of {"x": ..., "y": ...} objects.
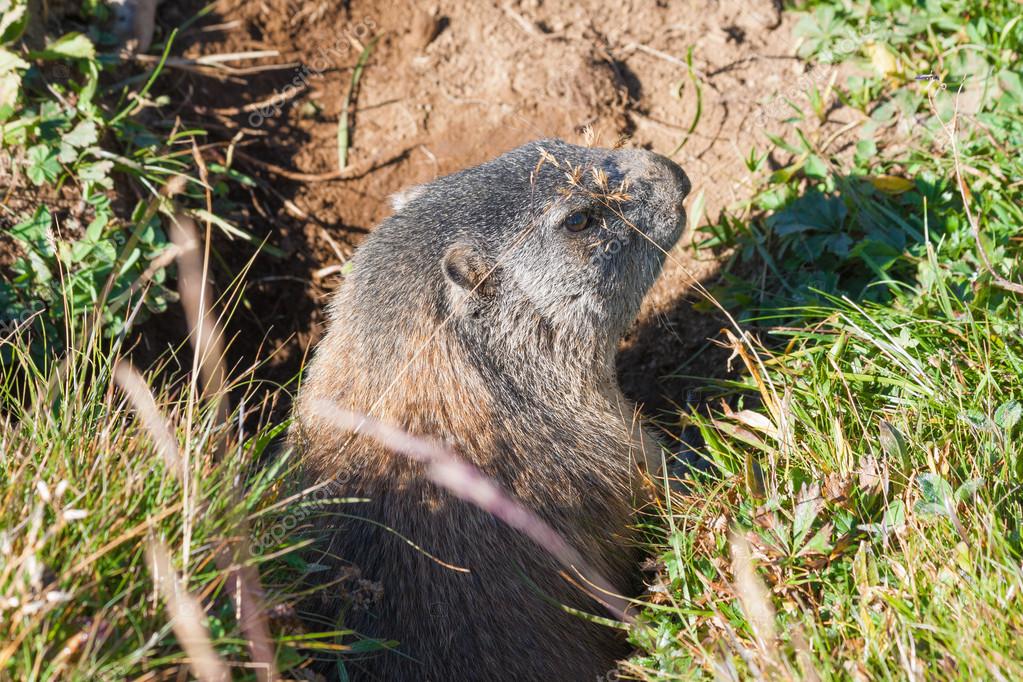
[
  {"x": 400, "y": 199},
  {"x": 469, "y": 270}
]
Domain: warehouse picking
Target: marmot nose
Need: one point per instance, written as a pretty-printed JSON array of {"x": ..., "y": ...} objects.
[{"x": 672, "y": 173}]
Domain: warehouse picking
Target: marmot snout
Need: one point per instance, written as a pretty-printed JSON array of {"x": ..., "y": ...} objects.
[{"x": 486, "y": 312}]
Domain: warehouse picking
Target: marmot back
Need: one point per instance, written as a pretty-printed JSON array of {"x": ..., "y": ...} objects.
[{"x": 486, "y": 312}]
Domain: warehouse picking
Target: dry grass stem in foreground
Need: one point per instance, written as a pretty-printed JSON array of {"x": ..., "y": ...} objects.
[
  {"x": 141, "y": 398},
  {"x": 187, "y": 617},
  {"x": 207, "y": 338},
  {"x": 755, "y": 600},
  {"x": 467, "y": 482}
]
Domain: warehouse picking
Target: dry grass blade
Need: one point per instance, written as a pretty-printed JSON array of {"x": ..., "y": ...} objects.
[
  {"x": 208, "y": 341},
  {"x": 135, "y": 387},
  {"x": 212, "y": 64},
  {"x": 755, "y": 600},
  {"x": 467, "y": 482},
  {"x": 206, "y": 336},
  {"x": 187, "y": 617},
  {"x": 803, "y": 655}
]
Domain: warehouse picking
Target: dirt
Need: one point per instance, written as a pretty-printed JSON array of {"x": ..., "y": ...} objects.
[{"x": 453, "y": 84}]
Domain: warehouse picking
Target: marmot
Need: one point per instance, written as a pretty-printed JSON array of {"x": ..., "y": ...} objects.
[{"x": 486, "y": 312}]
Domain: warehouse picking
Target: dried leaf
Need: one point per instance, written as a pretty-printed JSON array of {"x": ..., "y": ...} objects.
[
  {"x": 808, "y": 504},
  {"x": 891, "y": 184},
  {"x": 883, "y": 58},
  {"x": 871, "y": 479},
  {"x": 836, "y": 487},
  {"x": 757, "y": 421}
]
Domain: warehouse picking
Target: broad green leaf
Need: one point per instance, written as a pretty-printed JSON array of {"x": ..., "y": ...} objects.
[
  {"x": 812, "y": 211},
  {"x": 67, "y": 153},
  {"x": 82, "y": 135},
  {"x": 892, "y": 441},
  {"x": 808, "y": 507},
  {"x": 76, "y": 251},
  {"x": 72, "y": 45},
  {"x": 98, "y": 172},
  {"x": 10, "y": 61},
  {"x": 94, "y": 231},
  {"x": 969, "y": 489},
  {"x": 13, "y": 19},
  {"x": 815, "y": 167},
  {"x": 10, "y": 83},
  {"x": 936, "y": 494},
  {"x": 1009, "y": 414},
  {"x": 88, "y": 91},
  {"x": 34, "y": 233},
  {"x": 10, "y": 79},
  {"x": 894, "y": 517},
  {"x": 865, "y": 150},
  {"x": 43, "y": 164},
  {"x": 820, "y": 543}
]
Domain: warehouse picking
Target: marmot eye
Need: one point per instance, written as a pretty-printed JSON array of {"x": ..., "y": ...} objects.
[{"x": 577, "y": 222}]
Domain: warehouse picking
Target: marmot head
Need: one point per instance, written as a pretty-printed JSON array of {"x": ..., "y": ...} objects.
[{"x": 537, "y": 260}]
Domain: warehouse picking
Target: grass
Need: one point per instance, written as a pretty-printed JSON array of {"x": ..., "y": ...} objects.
[
  {"x": 145, "y": 533},
  {"x": 859, "y": 515},
  {"x": 874, "y": 467},
  {"x": 867, "y": 461},
  {"x": 125, "y": 518},
  {"x": 129, "y": 519},
  {"x": 84, "y": 494}
]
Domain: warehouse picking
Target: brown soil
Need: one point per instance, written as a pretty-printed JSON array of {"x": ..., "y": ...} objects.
[{"x": 451, "y": 85}]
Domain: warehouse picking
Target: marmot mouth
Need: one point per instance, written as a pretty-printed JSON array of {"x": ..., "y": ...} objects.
[{"x": 680, "y": 206}]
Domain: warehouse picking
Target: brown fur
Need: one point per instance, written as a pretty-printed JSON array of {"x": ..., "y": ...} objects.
[{"x": 524, "y": 391}]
